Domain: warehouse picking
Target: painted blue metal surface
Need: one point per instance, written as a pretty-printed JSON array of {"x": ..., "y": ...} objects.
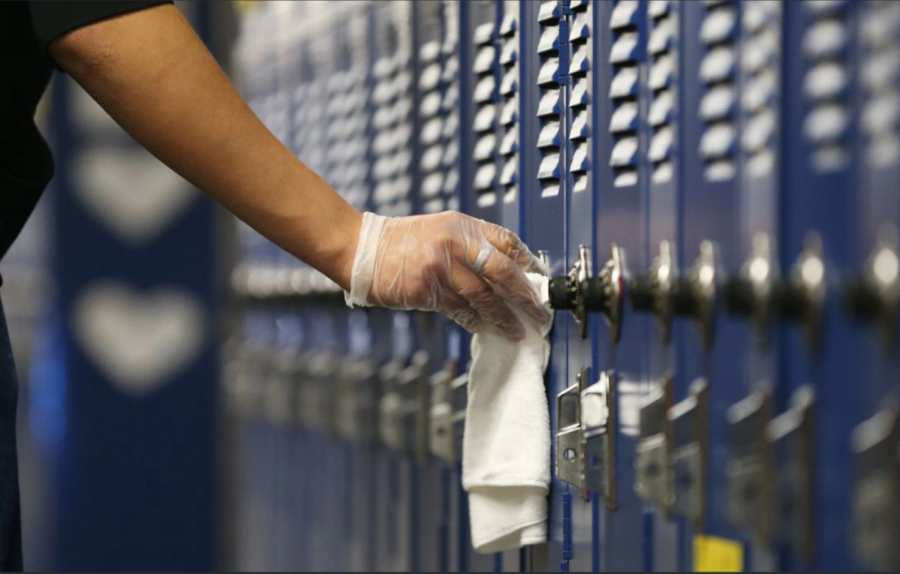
[{"x": 709, "y": 127}]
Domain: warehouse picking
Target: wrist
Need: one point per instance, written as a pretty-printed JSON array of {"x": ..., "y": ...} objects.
[{"x": 348, "y": 241}]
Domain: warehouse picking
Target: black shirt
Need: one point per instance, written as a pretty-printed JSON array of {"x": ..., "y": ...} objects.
[{"x": 26, "y": 28}]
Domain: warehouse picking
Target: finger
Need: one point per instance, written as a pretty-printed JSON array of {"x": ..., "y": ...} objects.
[
  {"x": 512, "y": 284},
  {"x": 487, "y": 303},
  {"x": 459, "y": 311},
  {"x": 510, "y": 245}
]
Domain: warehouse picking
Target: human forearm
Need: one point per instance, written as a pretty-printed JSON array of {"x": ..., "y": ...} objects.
[{"x": 153, "y": 75}]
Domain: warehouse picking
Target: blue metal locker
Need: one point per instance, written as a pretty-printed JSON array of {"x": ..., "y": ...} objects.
[
  {"x": 822, "y": 348},
  {"x": 625, "y": 529},
  {"x": 869, "y": 290}
]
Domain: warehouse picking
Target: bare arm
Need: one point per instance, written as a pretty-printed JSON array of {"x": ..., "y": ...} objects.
[{"x": 154, "y": 76}]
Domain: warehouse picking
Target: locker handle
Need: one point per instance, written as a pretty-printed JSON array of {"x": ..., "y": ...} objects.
[
  {"x": 581, "y": 293},
  {"x": 874, "y": 295}
]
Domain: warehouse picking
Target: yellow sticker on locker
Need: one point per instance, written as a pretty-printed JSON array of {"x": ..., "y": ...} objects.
[{"x": 717, "y": 555}]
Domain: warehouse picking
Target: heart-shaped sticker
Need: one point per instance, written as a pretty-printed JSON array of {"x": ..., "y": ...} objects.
[
  {"x": 140, "y": 341},
  {"x": 130, "y": 191}
]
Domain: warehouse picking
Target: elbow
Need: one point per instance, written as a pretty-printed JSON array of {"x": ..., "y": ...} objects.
[{"x": 82, "y": 51}]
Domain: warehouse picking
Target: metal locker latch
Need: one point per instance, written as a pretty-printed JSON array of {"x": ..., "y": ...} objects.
[
  {"x": 876, "y": 501},
  {"x": 751, "y": 292},
  {"x": 441, "y": 434},
  {"x": 604, "y": 293},
  {"x": 695, "y": 293},
  {"x": 875, "y": 295},
  {"x": 802, "y": 297},
  {"x": 415, "y": 391},
  {"x": 598, "y": 406},
  {"x": 570, "y": 437},
  {"x": 750, "y": 471},
  {"x": 653, "y": 292},
  {"x": 652, "y": 462},
  {"x": 791, "y": 436},
  {"x": 581, "y": 293},
  {"x": 565, "y": 290},
  {"x": 689, "y": 423},
  {"x": 390, "y": 408},
  {"x": 279, "y": 390},
  {"x": 358, "y": 401},
  {"x": 585, "y": 447}
]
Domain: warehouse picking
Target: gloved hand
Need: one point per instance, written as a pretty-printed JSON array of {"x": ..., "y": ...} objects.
[{"x": 470, "y": 270}]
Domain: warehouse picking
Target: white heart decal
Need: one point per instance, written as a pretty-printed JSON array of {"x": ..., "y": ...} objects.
[
  {"x": 130, "y": 191},
  {"x": 139, "y": 341}
]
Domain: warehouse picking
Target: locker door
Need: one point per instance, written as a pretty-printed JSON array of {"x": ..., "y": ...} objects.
[
  {"x": 578, "y": 112},
  {"x": 657, "y": 118},
  {"x": 542, "y": 176},
  {"x": 430, "y": 89},
  {"x": 721, "y": 207},
  {"x": 870, "y": 290},
  {"x": 479, "y": 118},
  {"x": 621, "y": 217},
  {"x": 392, "y": 150},
  {"x": 822, "y": 348}
]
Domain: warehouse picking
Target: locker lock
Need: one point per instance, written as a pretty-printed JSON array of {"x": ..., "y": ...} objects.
[
  {"x": 448, "y": 411},
  {"x": 750, "y": 471},
  {"x": 652, "y": 463},
  {"x": 585, "y": 443},
  {"x": 666, "y": 293},
  {"x": 581, "y": 293},
  {"x": 874, "y": 296},
  {"x": 876, "y": 499}
]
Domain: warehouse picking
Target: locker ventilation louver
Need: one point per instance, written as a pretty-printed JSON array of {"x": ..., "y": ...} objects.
[
  {"x": 759, "y": 99},
  {"x": 509, "y": 104},
  {"x": 549, "y": 107},
  {"x": 580, "y": 98},
  {"x": 432, "y": 141},
  {"x": 881, "y": 83},
  {"x": 624, "y": 89},
  {"x": 450, "y": 106},
  {"x": 391, "y": 147},
  {"x": 717, "y": 105},
  {"x": 346, "y": 112},
  {"x": 485, "y": 97},
  {"x": 661, "y": 49},
  {"x": 825, "y": 46}
]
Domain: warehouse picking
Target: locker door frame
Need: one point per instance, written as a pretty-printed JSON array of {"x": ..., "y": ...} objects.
[
  {"x": 823, "y": 202},
  {"x": 621, "y": 216}
]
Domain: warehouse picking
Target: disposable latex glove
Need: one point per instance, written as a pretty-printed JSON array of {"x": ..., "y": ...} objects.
[{"x": 470, "y": 270}]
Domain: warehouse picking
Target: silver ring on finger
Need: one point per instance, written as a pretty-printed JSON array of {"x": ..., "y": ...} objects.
[{"x": 482, "y": 259}]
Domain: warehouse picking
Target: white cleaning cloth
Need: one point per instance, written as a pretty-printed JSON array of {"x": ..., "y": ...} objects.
[{"x": 506, "y": 447}]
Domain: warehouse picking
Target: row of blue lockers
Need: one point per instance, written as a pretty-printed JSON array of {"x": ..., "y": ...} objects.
[{"x": 714, "y": 186}]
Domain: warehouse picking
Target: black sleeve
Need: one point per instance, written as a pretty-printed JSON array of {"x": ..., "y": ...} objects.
[{"x": 53, "y": 19}]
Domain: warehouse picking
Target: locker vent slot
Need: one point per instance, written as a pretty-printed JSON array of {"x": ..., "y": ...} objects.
[
  {"x": 486, "y": 67},
  {"x": 432, "y": 140},
  {"x": 450, "y": 108},
  {"x": 623, "y": 93},
  {"x": 827, "y": 124},
  {"x": 880, "y": 35},
  {"x": 717, "y": 72},
  {"x": 661, "y": 47},
  {"x": 759, "y": 62},
  {"x": 549, "y": 111},
  {"x": 509, "y": 95},
  {"x": 580, "y": 89},
  {"x": 391, "y": 154}
]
